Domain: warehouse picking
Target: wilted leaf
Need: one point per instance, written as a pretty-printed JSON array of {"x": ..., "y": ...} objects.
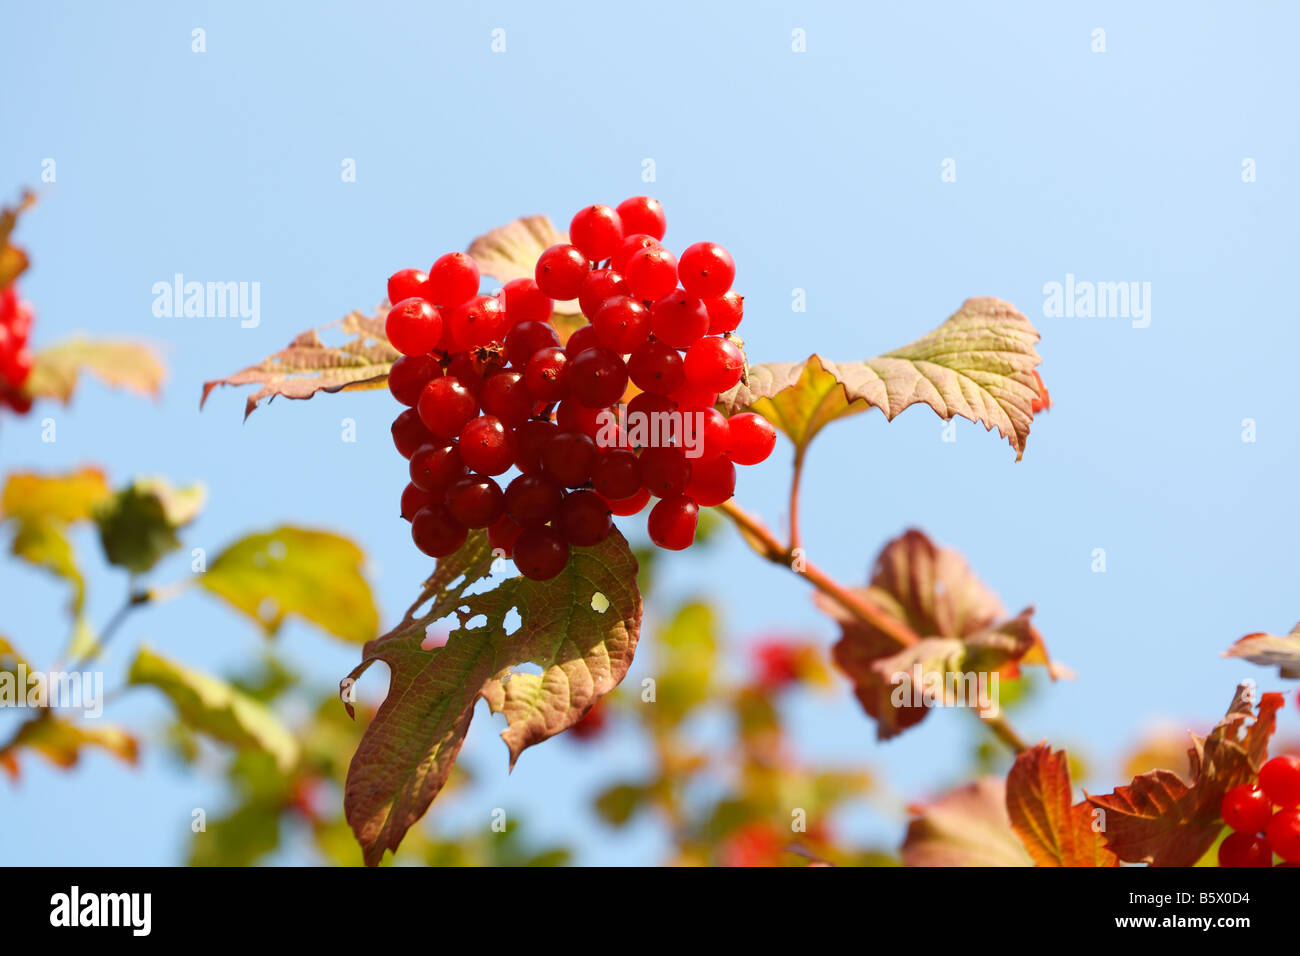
[
  {"x": 138, "y": 525},
  {"x": 308, "y": 365},
  {"x": 61, "y": 741},
  {"x": 979, "y": 365},
  {"x": 1161, "y": 819},
  {"x": 967, "y": 827},
  {"x": 13, "y": 261},
  {"x": 66, "y": 498},
  {"x": 212, "y": 706},
  {"x": 1271, "y": 650},
  {"x": 410, "y": 746},
  {"x": 131, "y": 366},
  {"x": 290, "y": 570},
  {"x": 1055, "y": 830},
  {"x": 960, "y": 626},
  {"x": 511, "y": 252}
]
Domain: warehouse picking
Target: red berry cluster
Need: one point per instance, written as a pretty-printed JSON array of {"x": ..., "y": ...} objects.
[
  {"x": 1259, "y": 831},
  {"x": 15, "y": 359},
  {"x": 490, "y": 387}
]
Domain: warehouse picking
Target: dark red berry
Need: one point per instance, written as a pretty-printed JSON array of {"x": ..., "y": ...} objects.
[
  {"x": 597, "y": 231},
  {"x": 617, "y": 474},
  {"x": 642, "y": 214},
  {"x": 547, "y": 374},
  {"x": 436, "y": 532},
  {"x": 1245, "y": 849},
  {"x": 672, "y": 523},
  {"x": 560, "y": 271},
  {"x": 541, "y": 553},
  {"x": 1284, "y": 834},
  {"x": 484, "y": 447},
  {"x": 505, "y": 395},
  {"x": 706, "y": 270},
  {"x": 533, "y": 500},
  {"x": 446, "y": 406},
  {"x": 503, "y": 535},
  {"x": 665, "y": 471},
  {"x": 465, "y": 369},
  {"x": 527, "y": 339},
  {"x": 584, "y": 519},
  {"x": 582, "y": 339},
  {"x": 409, "y": 432},
  {"x": 634, "y": 504},
  {"x": 569, "y": 458},
  {"x": 409, "y": 375},
  {"x": 656, "y": 367},
  {"x": 413, "y": 326},
  {"x": 414, "y": 498},
  {"x": 528, "y": 440},
  {"x": 689, "y": 396},
  {"x": 525, "y": 302},
  {"x": 435, "y": 466},
  {"x": 476, "y": 501},
  {"x": 597, "y": 377},
  {"x": 599, "y": 287}
]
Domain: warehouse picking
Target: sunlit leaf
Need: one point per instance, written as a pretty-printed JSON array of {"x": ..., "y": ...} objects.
[
  {"x": 1054, "y": 829},
  {"x": 1271, "y": 650},
  {"x": 214, "y": 707},
  {"x": 67, "y": 498},
  {"x": 131, "y": 366},
  {"x": 307, "y": 365},
  {"x": 62, "y": 741},
  {"x": 978, "y": 365},
  {"x": 138, "y": 525},
  {"x": 967, "y": 827},
  {"x": 314, "y": 574},
  {"x": 13, "y": 261},
  {"x": 511, "y": 252},
  {"x": 44, "y": 544},
  {"x": 410, "y": 746}
]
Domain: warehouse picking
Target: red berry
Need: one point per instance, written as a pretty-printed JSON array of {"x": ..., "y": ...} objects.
[
  {"x": 631, "y": 505},
  {"x": 541, "y": 553},
  {"x": 409, "y": 375},
  {"x": 1284, "y": 834},
  {"x": 569, "y": 458},
  {"x": 654, "y": 413},
  {"x": 436, "y": 532},
  {"x": 446, "y": 406},
  {"x": 409, "y": 433},
  {"x": 597, "y": 377},
  {"x": 406, "y": 283},
  {"x": 529, "y": 439},
  {"x": 713, "y": 481},
  {"x": 630, "y": 247},
  {"x": 672, "y": 523},
  {"x": 503, "y": 535},
  {"x": 1280, "y": 780},
  {"x": 1246, "y": 809},
  {"x": 690, "y": 396},
  {"x": 665, "y": 471},
  {"x": 710, "y": 433},
  {"x": 547, "y": 374},
  {"x": 505, "y": 395},
  {"x": 476, "y": 322},
  {"x": 679, "y": 319},
  {"x": 435, "y": 466},
  {"x": 656, "y": 367},
  {"x": 573, "y": 416},
  {"x": 525, "y": 302},
  {"x": 527, "y": 339},
  {"x": 622, "y": 324},
  {"x": 706, "y": 270},
  {"x": 642, "y": 214},
  {"x": 582, "y": 339},
  {"x": 465, "y": 368},
  {"x": 597, "y": 231},
  {"x": 584, "y": 519},
  {"x": 750, "y": 438},
  {"x": 484, "y": 447},
  {"x": 532, "y": 500},
  {"x": 413, "y": 326},
  {"x": 1245, "y": 849},
  {"x": 452, "y": 279},
  {"x": 476, "y": 501},
  {"x": 414, "y": 498},
  {"x": 560, "y": 271},
  {"x": 714, "y": 363},
  {"x": 725, "y": 313},
  {"x": 598, "y": 288},
  {"x": 651, "y": 273},
  {"x": 617, "y": 474}
]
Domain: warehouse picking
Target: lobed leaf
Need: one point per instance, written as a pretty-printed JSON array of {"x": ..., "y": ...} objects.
[
  {"x": 132, "y": 366},
  {"x": 1161, "y": 819},
  {"x": 138, "y": 525},
  {"x": 216, "y": 708},
  {"x": 978, "y": 365},
  {"x": 314, "y": 574},
  {"x": 1271, "y": 650},
  {"x": 307, "y": 365},
  {"x": 967, "y": 827},
  {"x": 1055, "y": 830},
  {"x": 409, "y": 748},
  {"x": 511, "y": 252}
]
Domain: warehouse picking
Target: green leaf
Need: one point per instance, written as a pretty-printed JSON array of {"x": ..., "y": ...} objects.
[
  {"x": 967, "y": 827},
  {"x": 1271, "y": 650},
  {"x": 307, "y": 365},
  {"x": 288, "y": 570},
  {"x": 978, "y": 365},
  {"x": 618, "y": 804},
  {"x": 410, "y": 746},
  {"x": 214, "y": 707},
  {"x": 132, "y": 366},
  {"x": 44, "y": 544},
  {"x": 138, "y": 525}
]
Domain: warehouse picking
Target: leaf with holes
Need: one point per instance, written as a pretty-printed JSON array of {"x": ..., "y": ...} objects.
[
  {"x": 1271, "y": 650},
  {"x": 307, "y": 365},
  {"x": 958, "y": 624},
  {"x": 131, "y": 366},
  {"x": 1161, "y": 819},
  {"x": 1055, "y": 830},
  {"x": 314, "y": 574},
  {"x": 978, "y": 365},
  {"x": 216, "y": 708},
  {"x": 967, "y": 827},
  {"x": 409, "y": 748}
]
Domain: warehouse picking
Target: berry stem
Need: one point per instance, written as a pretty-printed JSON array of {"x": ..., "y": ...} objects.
[
  {"x": 766, "y": 546},
  {"x": 794, "y": 497}
]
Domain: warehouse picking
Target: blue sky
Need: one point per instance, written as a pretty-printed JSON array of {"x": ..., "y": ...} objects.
[{"x": 820, "y": 171}]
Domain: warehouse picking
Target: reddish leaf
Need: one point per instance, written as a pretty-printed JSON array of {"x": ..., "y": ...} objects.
[
  {"x": 13, "y": 261},
  {"x": 1055, "y": 831},
  {"x": 966, "y": 827},
  {"x": 1161, "y": 819}
]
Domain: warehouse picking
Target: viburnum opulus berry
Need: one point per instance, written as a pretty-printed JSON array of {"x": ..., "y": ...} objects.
[
  {"x": 15, "y": 358},
  {"x": 544, "y": 441},
  {"x": 1260, "y": 829}
]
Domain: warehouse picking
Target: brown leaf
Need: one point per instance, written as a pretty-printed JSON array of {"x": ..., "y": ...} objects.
[
  {"x": 1161, "y": 819},
  {"x": 966, "y": 827},
  {"x": 511, "y": 252},
  {"x": 13, "y": 261},
  {"x": 1055, "y": 831},
  {"x": 933, "y": 592},
  {"x": 308, "y": 365},
  {"x": 1271, "y": 650}
]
